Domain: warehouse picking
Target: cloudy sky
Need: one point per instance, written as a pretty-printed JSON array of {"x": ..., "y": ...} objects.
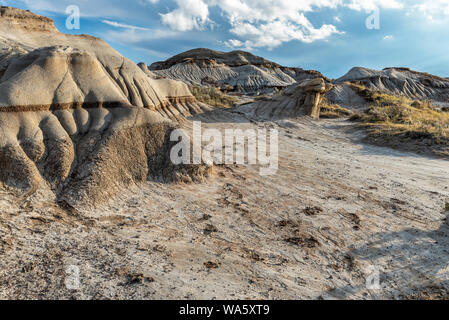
[{"x": 328, "y": 35}]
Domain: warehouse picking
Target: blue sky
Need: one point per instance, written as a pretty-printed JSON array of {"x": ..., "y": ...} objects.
[{"x": 327, "y": 35}]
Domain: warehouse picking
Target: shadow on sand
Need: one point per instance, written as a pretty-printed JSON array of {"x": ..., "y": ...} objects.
[{"x": 413, "y": 264}]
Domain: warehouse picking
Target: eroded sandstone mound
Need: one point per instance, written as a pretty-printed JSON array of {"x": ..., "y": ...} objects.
[
  {"x": 302, "y": 99},
  {"x": 86, "y": 155},
  {"x": 237, "y": 71},
  {"x": 66, "y": 69},
  {"x": 79, "y": 118},
  {"x": 348, "y": 89}
]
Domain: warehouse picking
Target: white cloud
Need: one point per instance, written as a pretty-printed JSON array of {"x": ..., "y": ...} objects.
[
  {"x": 432, "y": 10},
  {"x": 234, "y": 43},
  {"x": 190, "y": 14},
  {"x": 273, "y": 34},
  {"x": 258, "y": 23},
  {"x": 267, "y": 23},
  {"x": 253, "y": 23},
  {"x": 123, "y": 25},
  {"x": 389, "y": 37},
  {"x": 370, "y": 5}
]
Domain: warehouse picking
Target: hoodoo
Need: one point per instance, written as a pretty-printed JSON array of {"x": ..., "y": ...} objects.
[{"x": 302, "y": 99}]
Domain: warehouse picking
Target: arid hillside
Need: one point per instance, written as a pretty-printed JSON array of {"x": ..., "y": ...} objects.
[
  {"x": 350, "y": 90},
  {"x": 77, "y": 117},
  {"x": 92, "y": 205},
  {"x": 236, "y": 71}
]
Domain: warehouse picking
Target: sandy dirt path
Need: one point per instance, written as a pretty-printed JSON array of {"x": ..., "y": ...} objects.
[{"x": 335, "y": 209}]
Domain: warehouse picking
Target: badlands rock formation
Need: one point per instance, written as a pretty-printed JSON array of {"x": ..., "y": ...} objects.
[
  {"x": 237, "y": 71},
  {"x": 76, "y": 69},
  {"x": 302, "y": 99},
  {"x": 397, "y": 81},
  {"x": 78, "y": 117}
]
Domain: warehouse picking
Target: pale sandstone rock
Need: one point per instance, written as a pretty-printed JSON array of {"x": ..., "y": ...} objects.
[
  {"x": 395, "y": 81},
  {"x": 298, "y": 100},
  {"x": 239, "y": 70},
  {"x": 78, "y": 117}
]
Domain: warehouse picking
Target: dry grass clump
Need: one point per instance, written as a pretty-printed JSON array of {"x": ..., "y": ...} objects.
[
  {"x": 360, "y": 88},
  {"x": 264, "y": 97},
  {"x": 212, "y": 96},
  {"x": 333, "y": 111},
  {"x": 392, "y": 117}
]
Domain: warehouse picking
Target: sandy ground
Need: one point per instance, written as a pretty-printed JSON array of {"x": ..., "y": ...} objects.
[{"x": 335, "y": 209}]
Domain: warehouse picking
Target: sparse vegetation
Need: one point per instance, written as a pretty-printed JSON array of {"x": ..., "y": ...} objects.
[
  {"x": 360, "y": 88},
  {"x": 212, "y": 96},
  {"x": 263, "y": 97},
  {"x": 398, "y": 119},
  {"x": 333, "y": 110},
  {"x": 447, "y": 206}
]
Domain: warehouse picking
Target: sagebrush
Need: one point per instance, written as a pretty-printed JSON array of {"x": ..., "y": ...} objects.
[{"x": 213, "y": 96}]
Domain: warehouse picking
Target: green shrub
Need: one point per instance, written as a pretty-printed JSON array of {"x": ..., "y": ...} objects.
[{"x": 212, "y": 96}]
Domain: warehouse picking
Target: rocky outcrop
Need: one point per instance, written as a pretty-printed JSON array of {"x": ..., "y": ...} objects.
[
  {"x": 76, "y": 70},
  {"x": 86, "y": 155},
  {"x": 237, "y": 71},
  {"x": 147, "y": 71},
  {"x": 26, "y": 20},
  {"x": 79, "y": 118},
  {"x": 396, "y": 81},
  {"x": 205, "y": 57},
  {"x": 310, "y": 94},
  {"x": 302, "y": 99}
]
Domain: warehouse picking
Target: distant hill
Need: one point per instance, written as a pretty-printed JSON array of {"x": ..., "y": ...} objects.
[
  {"x": 398, "y": 81},
  {"x": 237, "y": 71},
  {"x": 243, "y": 72}
]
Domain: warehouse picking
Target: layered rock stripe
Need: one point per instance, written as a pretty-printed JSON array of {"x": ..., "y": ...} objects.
[{"x": 78, "y": 117}]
